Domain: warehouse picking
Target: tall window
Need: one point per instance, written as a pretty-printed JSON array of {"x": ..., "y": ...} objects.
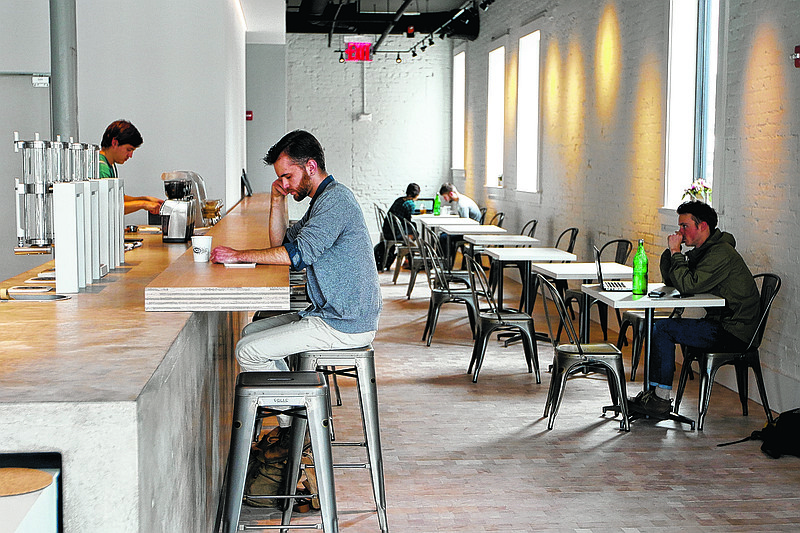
[
  {"x": 495, "y": 117},
  {"x": 459, "y": 102},
  {"x": 691, "y": 98},
  {"x": 528, "y": 113}
]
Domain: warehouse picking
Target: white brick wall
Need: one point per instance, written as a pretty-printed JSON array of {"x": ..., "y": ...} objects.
[{"x": 408, "y": 138}]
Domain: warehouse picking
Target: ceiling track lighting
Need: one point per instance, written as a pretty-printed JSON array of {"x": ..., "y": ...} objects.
[
  {"x": 399, "y": 59},
  {"x": 341, "y": 57}
]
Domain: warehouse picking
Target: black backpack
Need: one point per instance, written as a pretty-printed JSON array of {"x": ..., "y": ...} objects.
[{"x": 781, "y": 437}]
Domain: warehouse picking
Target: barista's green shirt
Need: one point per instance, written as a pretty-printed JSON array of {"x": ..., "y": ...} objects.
[{"x": 106, "y": 170}]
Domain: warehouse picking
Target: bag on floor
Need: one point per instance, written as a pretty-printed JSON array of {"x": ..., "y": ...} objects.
[{"x": 781, "y": 437}]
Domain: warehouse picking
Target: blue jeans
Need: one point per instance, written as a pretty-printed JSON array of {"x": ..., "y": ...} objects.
[{"x": 704, "y": 334}]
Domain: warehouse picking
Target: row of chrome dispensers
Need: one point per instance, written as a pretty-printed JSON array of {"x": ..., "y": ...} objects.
[{"x": 63, "y": 206}]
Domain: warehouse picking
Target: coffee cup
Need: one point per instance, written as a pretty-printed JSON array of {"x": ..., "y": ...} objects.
[{"x": 201, "y": 248}]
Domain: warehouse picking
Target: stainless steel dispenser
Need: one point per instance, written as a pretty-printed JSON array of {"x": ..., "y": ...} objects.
[
  {"x": 34, "y": 205},
  {"x": 178, "y": 211}
]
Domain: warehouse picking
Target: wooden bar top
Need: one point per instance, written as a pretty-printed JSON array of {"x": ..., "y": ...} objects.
[
  {"x": 100, "y": 345},
  {"x": 189, "y": 286}
]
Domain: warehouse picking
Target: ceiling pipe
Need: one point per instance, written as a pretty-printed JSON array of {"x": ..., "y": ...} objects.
[{"x": 390, "y": 27}]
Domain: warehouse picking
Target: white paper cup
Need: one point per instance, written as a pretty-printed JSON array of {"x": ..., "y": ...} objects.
[
  {"x": 201, "y": 247},
  {"x": 444, "y": 210}
]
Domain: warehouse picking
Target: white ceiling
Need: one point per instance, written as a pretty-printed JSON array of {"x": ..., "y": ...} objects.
[{"x": 265, "y": 20}]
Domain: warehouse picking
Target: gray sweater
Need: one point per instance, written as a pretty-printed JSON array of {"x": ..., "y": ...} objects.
[{"x": 332, "y": 242}]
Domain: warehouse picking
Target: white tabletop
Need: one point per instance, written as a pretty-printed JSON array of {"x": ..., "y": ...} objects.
[
  {"x": 626, "y": 300},
  {"x": 529, "y": 254},
  {"x": 582, "y": 270},
  {"x": 435, "y": 222},
  {"x": 430, "y": 216},
  {"x": 503, "y": 239},
  {"x": 477, "y": 229}
]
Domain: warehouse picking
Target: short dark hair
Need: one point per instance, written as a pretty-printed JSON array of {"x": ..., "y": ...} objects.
[
  {"x": 124, "y": 132},
  {"x": 412, "y": 191},
  {"x": 300, "y": 146},
  {"x": 700, "y": 212},
  {"x": 447, "y": 188}
]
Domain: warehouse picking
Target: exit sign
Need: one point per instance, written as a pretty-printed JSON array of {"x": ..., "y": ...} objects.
[{"x": 358, "y": 52}]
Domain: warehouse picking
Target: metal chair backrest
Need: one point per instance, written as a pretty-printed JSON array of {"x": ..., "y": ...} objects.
[
  {"x": 431, "y": 238},
  {"x": 400, "y": 227},
  {"x": 529, "y": 228},
  {"x": 571, "y": 234},
  {"x": 563, "y": 315},
  {"x": 624, "y": 248},
  {"x": 480, "y": 287},
  {"x": 434, "y": 267},
  {"x": 483, "y": 215},
  {"x": 498, "y": 219},
  {"x": 770, "y": 285}
]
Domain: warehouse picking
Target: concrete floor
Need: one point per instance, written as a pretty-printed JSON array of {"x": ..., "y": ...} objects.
[{"x": 460, "y": 456}]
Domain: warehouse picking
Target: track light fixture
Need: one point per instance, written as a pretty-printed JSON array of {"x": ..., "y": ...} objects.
[
  {"x": 414, "y": 52},
  {"x": 423, "y": 47},
  {"x": 430, "y": 40},
  {"x": 341, "y": 57},
  {"x": 399, "y": 59}
]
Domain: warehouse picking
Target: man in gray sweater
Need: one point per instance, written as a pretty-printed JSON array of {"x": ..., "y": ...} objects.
[{"x": 331, "y": 242}]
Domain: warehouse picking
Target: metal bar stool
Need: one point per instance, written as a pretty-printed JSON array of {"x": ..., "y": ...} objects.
[
  {"x": 360, "y": 364},
  {"x": 304, "y": 395}
]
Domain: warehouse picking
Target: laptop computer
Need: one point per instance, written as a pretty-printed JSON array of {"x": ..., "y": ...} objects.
[{"x": 610, "y": 286}]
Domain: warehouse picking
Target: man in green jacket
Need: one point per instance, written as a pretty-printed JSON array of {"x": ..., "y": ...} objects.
[{"x": 712, "y": 266}]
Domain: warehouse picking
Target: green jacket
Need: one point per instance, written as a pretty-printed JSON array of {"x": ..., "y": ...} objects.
[{"x": 716, "y": 267}]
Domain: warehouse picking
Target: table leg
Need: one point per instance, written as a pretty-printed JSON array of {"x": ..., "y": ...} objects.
[
  {"x": 584, "y": 318},
  {"x": 649, "y": 313}
]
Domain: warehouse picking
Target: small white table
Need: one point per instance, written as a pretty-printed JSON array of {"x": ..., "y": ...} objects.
[
  {"x": 586, "y": 272},
  {"x": 627, "y": 300},
  {"x": 525, "y": 256},
  {"x": 502, "y": 239}
]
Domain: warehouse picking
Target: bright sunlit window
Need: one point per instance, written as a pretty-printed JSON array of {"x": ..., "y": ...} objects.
[
  {"x": 691, "y": 98},
  {"x": 528, "y": 113},
  {"x": 495, "y": 117},
  {"x": 459, "y": 102}
]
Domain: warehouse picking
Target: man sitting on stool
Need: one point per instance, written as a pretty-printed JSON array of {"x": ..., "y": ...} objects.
[
  {"x": 712, "y": 266},
  {"x": 333, "y": 244}
]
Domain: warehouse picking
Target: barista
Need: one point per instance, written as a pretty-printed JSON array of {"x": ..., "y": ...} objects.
[{"x": 120, "y": 139}]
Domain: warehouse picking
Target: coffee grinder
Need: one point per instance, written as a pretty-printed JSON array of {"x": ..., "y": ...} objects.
[{"x": 178, "y": 211}]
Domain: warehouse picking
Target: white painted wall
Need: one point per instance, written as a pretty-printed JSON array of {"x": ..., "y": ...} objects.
[{"x": 176, "y": 70}]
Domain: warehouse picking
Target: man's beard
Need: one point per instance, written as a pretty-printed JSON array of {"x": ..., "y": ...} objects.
[{"x": 304, "y": 189}]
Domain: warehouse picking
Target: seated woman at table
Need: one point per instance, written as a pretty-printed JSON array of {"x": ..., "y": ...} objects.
[
  {"x": 403, "y": 207},
  {"x": 712, "y": 266}
]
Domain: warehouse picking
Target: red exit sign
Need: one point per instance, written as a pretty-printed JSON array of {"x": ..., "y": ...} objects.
[{"x": 358, "y": 52}]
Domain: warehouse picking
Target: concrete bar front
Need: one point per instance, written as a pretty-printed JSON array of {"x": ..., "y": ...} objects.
[{"x": 138, "y": 404}]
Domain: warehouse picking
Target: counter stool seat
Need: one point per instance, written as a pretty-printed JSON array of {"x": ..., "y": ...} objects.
[
  {"x": 304, "y": 395},
  {"x": 358, "y": 363}
]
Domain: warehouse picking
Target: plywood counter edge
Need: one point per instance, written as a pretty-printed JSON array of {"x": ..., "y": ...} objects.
[{"x": 188, "y": 286}]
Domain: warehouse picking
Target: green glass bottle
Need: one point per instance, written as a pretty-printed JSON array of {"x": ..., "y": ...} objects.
[
  {"x": 437, "y": 205},
  {"x": 640, "y": 270}
]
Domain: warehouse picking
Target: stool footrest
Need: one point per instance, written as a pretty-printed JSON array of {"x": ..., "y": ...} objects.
[
  {"x": 288, "y": 526},
  {"x": 351, "y": 465},
  {"x": 360, "y": 444}
]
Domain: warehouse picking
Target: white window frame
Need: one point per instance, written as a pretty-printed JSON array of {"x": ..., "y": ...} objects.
[
  {"x": 459, "y": 101},
  {"x": 495, "y": 114},
  {"x": 528, "y": 111},
  {"x": 691, "y": 96}
]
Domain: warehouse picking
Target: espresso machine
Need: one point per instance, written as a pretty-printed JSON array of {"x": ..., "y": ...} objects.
[{"x": 178, "y": 211}]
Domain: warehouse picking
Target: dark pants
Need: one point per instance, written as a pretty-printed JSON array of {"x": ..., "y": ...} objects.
[{"x": 704, "y": 334}]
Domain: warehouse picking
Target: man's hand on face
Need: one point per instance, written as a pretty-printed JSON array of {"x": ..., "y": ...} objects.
[
  {"x": 674, "y": 242},
  {"x": 277, "y": 189}
]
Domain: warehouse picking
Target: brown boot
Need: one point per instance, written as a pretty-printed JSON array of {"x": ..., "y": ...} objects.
[{"x": 310, "y": 481}]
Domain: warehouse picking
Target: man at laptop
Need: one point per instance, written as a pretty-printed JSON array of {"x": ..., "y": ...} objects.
[{"x": 712, "y": 266}]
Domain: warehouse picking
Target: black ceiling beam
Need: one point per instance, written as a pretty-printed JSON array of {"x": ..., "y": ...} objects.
[{"x": 350, "y": 21}]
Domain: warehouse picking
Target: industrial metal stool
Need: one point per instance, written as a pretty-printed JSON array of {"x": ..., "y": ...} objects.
[
  {"x": 357, "y": 363},
  {"x": 304, "y": 395}
]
